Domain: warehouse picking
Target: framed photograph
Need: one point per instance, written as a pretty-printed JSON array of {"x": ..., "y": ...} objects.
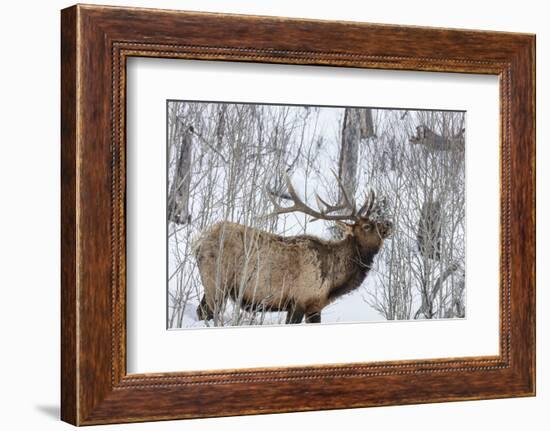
[{"x": 264, "y": 214}]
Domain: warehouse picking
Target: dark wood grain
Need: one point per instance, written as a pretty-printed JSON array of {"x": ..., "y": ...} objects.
[
  {"x": 69, "y": 398},
  {"x": 96, "y": 41}
]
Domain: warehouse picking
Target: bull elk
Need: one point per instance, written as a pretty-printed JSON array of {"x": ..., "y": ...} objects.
[{"x": 302, "y": 274}]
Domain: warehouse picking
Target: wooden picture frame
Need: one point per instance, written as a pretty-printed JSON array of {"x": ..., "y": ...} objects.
[{"x": 95, "y": 43}]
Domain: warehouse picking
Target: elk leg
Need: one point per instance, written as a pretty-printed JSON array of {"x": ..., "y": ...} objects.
[
  {"x": 314, "y": 317},
  {"x": 295, "y": 314},
  {"x": 204, "y": 312}
]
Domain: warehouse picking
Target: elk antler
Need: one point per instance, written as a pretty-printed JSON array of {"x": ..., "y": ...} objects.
[
  {"x": 368, "y": 206},
  {"x": 300, "y": 206},
  {"x": 348, "y": 202}
]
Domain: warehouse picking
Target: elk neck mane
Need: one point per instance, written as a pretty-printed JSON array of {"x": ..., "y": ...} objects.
[{"x": 357, "y": 265}]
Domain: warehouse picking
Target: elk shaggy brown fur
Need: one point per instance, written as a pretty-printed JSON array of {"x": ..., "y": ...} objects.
[{"x": 301, "y": 275}]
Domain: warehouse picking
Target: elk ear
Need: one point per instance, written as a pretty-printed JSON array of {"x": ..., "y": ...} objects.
[{"x": 345, "y": 228}]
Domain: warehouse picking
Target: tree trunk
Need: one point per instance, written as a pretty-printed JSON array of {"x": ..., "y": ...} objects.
[
  {"x": 429, "y": 231},
  {"x": 367, "y": 125},
  {"x": 178, "y": 202},
  {"x": 349, "y": 150},
  {"x": 357, "y": 125}
]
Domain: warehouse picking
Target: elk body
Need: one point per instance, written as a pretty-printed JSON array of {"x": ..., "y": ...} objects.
[{"x": 300, "y": 274}]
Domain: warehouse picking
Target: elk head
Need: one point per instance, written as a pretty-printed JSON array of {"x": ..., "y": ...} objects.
[{"x": 366, "y": 224}]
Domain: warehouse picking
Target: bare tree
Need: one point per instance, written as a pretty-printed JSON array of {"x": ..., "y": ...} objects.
[
  {"x": 430, "y": 229},
  {"x": 351, "y": 136},
  {"x": 178, "y": 199},
  {"x": 367, "y": 123},
  {"x": 426, "y": 188}
]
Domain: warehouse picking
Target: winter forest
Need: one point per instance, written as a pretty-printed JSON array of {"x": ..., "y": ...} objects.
[{"x": 301, "y": 214}]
